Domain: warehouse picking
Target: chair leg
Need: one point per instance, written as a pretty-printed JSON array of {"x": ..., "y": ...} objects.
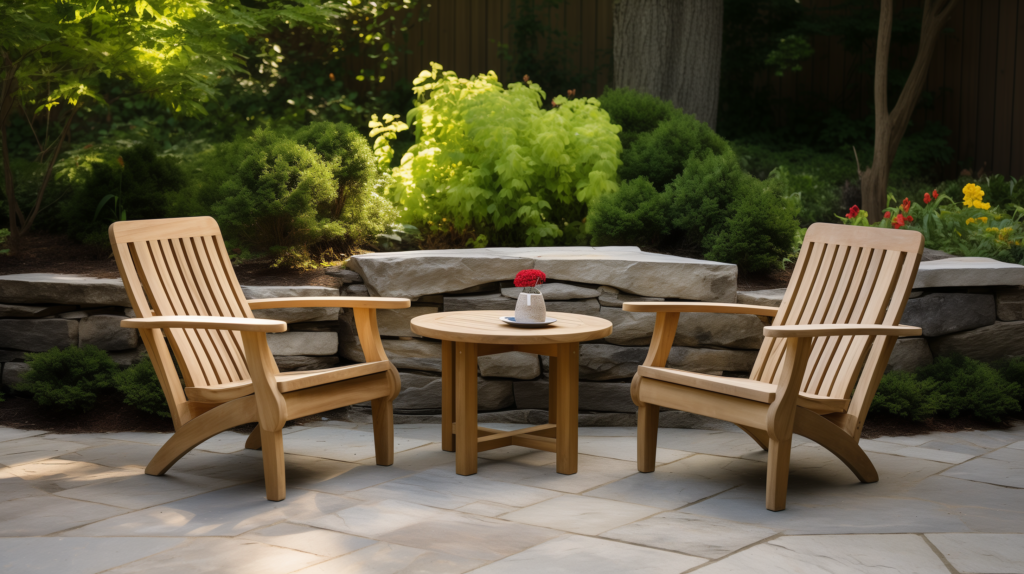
[
  {"x": 759, "y": 436},
  {"x": 647, "y": 437},
  {"x": 383, "y": 431},
  {"x": 253, "y": 442},
  {"x": 193, "y": 433},
  {"x": 845, "y": 447},
  {"x": 778, "y": 473},
  {"x": 273, "y": 464}
]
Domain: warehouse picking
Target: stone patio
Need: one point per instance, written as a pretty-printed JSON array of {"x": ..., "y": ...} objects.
[{"x": 78, "y": 504}]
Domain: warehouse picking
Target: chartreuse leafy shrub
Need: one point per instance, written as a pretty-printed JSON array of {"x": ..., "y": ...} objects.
[
  {"x": 141, "y": 388},
  {"x": 636, "y": 112},
  {"x": 713, "y": 207},
  {"x": 808, "y": 196},
  {"x": 491, "y": 159},
  {"x": 953, "y": 387},
  {"x": 68, "y": 379},
  {"x": 299, "y": 198},
  {"x": 135, "y": 186}
]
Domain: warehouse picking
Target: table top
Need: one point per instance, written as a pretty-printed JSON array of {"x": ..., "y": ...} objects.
[{"x": 487, "y": 327}]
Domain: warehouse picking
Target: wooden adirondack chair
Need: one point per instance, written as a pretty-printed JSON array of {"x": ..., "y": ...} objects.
[
  {"x": 837, "y": 326},
  {"x": 182, "y": 287}
]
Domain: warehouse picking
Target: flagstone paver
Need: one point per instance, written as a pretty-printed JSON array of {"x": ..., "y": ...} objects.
[
  {"x": 80, "y": 503},
  {"x": 76, "y": 555},
  {"x": 903, "y": 553},
  {"x": 982, "y": 553},
  {"x": 690, "y": 534},
  {"x": 593, "y": 556}
]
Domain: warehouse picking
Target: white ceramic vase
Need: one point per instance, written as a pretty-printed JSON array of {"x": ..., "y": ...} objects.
[{"x": 530, "y": 308}]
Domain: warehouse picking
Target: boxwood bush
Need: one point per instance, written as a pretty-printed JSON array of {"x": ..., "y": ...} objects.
[{"x": 68, "y": 379}]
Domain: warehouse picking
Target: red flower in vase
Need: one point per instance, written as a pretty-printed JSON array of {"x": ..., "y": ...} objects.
[{"x": 530, "y": 278}]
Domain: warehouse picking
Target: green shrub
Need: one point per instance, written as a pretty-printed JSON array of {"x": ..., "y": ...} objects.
[
  {"x": 660, "y": 154},
  {"x": 637, "y": 214},
  {"x": 713, "y": 207},
  {"x": 952, "y": 387},
  {"x": 68, "y": 379},
  {"x": 972, "y": 387},
  {"x": 490, "y": 159},
  {"x": 904, "y": 395},
  {"x": 141, "y": 388},
  {"x": 759, "y": 235},
  {"x": 812, "y": 199},
  {"x": 299, "y": 197},
  {"x": 141, "y": 186},
  {"x": 636, "y": 112}
]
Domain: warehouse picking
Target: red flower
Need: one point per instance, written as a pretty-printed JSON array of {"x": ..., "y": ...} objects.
[
  {"x": 900, "y": 222},
  {"x": 906, "y": 204},
  {"x": 530, "y": 278},
  {"x": 927, "y": 198},
  {"x": 910, "y": 218},
  {"x": 935, "y": 194},
  {"x": 888, "y": 214},
  {"x": 854, "y": 210}
]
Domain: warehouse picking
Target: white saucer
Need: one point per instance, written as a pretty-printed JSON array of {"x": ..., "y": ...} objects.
[{"x": 532, "y": 325}]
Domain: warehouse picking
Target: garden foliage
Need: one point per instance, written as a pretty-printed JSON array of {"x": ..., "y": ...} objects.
[
  {"x": 68, "y": 379},
  {"x": 140, "y": 183},
  {"x": 961, "y": 222},
  {"x": 953, "y": 387},
  {"x": 141, "y": 388},
  {"x": 635, "y": 112},
  {"x": 491, "y": 159},
  {"x": 684, "y": 189},
  {"x": 298, "y": 197}
]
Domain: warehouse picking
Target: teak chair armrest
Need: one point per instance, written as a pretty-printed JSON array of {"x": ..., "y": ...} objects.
[
  {"x": 206, "y": 322},
  {"x": 350, "y": 302},
  {"x": 840, "y": 330},
  {"x": 681, "y": 307}
]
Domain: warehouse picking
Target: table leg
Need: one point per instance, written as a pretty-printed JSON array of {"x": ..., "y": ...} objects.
[
  {"x": 465, "y": 409},
  {"x": 567, "y": 383},
  {"x": 553, "y": 390},
  {"x": 447, "y": 395}
]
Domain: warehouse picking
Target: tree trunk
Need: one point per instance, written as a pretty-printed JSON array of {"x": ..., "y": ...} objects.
[
  {"x": 671, "y": 49},
  {"x": 890, "y": 126}
]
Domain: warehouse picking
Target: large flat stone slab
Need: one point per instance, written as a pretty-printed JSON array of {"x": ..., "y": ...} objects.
[
  {"x": 968, "y": 272},
  {"x": 603, "y": 397},
  {"x": 600, "y": 362},
  {"x": 982, "y": 553},
  {"x": 417, "y": 273},
  {"x": 690, "y": 534},
  {"x": 996, "y": 341},
  {"x": 303, "y": 343},
  {"x": 76, "y": 555},
  {"x": 106, "y": 332},
  {"x": 694, "y": 330},
  {"x": 944, "y": 313},
  {"x": 556, "y": 292},
  {"x": 1010, "y": 304},
  {"x": 35, "y": 288},
  {"x": 904, "y": 553},
  {"x": 37, "y": 335},
  {"x": 296, "y": 314},
  {"x": 594, "y": 556},
  {"x": 764, "y": 297},
  {"x": 909, "y": 354}
]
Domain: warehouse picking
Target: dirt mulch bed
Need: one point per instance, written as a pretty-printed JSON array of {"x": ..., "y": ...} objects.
[
  {"x": 879, "y": 426},
  {"x": 109, "y": 415}
]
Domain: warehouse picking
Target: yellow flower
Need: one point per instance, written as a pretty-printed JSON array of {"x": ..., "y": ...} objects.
[
  {"x": 991, "y": 230},
  {"x": 983, "y": 219},
  {"x": 973, "y": 195},
  {"x": 970, "y": 220}
]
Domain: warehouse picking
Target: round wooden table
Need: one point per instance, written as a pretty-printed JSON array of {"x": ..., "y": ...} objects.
[{"x": 466, "y": 335}]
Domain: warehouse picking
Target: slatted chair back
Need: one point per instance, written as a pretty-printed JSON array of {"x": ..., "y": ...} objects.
[
  {"x": 180, "y": 267},
  {"x": 845, "y": 275}
]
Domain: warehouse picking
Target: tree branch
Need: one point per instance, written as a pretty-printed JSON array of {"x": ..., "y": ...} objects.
[{"x": 49, "y": 168}]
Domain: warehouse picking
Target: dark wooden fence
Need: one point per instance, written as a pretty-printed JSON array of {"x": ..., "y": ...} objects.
[{"x": 977, "y": 73}]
